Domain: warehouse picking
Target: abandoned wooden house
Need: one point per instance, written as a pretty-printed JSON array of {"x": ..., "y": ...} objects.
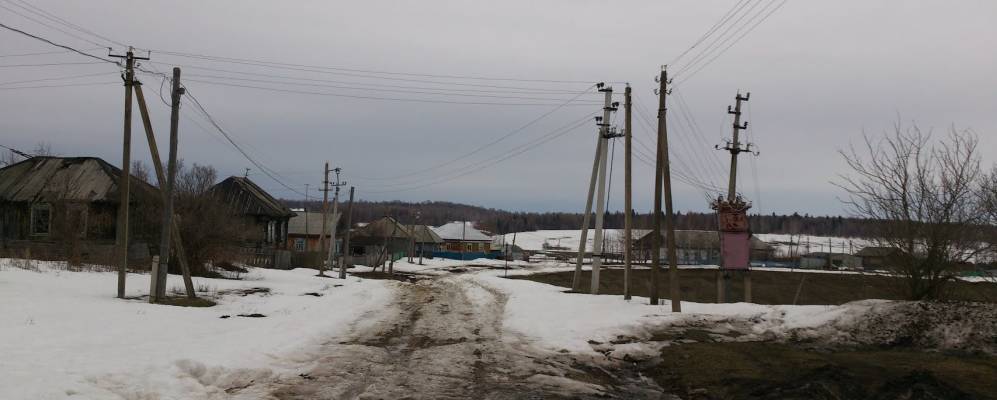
[
  {"x": 694, "y": 247},
  {"x": 462, "y": 241},
  {"x": 266, "y": 217},
  {"x": 381, "y": 240},
  {"x": 66, "y": 208}
]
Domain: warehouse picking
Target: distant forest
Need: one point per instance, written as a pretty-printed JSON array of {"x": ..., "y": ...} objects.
[{"x": 500, "y": 221}]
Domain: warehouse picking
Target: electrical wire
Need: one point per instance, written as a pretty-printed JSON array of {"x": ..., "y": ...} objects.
[
  {"x": 743, "y": 35},
  {"x": 60, "y": 86},
  {"x": 52, "y": 17},
  {"x": 723, "y": 20},
  {"x": 36, "y": 37},
  {"x": 54, "y": 79},
  {"x": 271, "y": 64}
]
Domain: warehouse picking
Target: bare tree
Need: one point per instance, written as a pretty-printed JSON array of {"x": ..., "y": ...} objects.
[
  {"x": 43, "y": 149},
  {"x": 141, "y": 170},
  {"x": 925, "y": 194},
  {"x": 209, "y": 231}
]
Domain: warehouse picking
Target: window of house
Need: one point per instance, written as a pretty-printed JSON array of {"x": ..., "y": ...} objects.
[
  {"x": 41, "y": 219},
  {"x": 299, "y": 244}
]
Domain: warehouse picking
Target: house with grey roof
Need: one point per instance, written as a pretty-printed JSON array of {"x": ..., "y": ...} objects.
[
  {"x": 461, "y": 240},
  {"x": 66, "y": 208}
]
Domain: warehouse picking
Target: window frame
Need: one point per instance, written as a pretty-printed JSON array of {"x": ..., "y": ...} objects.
[{"x": 48, "y": 220}]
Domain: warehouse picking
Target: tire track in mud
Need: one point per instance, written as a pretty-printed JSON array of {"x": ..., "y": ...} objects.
[{"x": 443, "y": 339}]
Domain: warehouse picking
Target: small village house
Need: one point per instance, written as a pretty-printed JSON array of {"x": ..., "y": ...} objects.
[
  {"x": 462, "y": 241},
  {"x": 266, "y": 216},
  {"x": 66, "y": 208},
  {"x": 384, "y": 239}
]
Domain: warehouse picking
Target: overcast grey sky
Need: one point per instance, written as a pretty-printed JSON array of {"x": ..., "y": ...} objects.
[{"x": 820, "y": 73}]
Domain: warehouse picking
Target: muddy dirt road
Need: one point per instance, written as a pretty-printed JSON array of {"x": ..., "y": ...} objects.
[{"x": 443, "y": 339}]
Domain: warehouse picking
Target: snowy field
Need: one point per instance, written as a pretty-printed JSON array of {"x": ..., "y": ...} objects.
[
  {"x": 64, "y": 334},
  {"x": 784, "y": 244}
]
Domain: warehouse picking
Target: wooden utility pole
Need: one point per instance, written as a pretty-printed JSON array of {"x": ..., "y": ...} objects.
[
  {"x": 346, "y": 238},
  {"x": 673, "y": 268},
  {"x": 335, "y": 222},
  {"x": 627, "y": 195},
  {"x": 121, "y": 232},
  {"x": 170, "y": 239},
  {"x": 418, "y": 218},
  {"x": 325, "y": 211}
]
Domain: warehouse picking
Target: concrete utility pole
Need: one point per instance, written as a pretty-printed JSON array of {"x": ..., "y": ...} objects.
[
  {"x": 325, "y": 210},
  {"x": 121, "y": 232},
  {"x": 308, "y": 247},
  {"x": 627, "y": 195},
  {"x": 171, "y": 173},
  {"x": 335, "y": 222},
  {"x": 418, "y": 217},
  {"x": 599, "y": 164},
  {"x": 335, "y": 219},
  {"x": 673, "y": 269},
  {"x": 576, "y": 279},
  {"x": 735, "y": 146},
  {"x": 346, "y": 239},
  {"x": 734, "y": 206},
  {"x": 600, "y": 204}
]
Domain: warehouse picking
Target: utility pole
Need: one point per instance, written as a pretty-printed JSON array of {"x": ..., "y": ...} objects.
[
  {"x": 658, "y": 180},
  {"x": 418, "y": 217},
  {"x": 335, "y": 222},
  {"x": 576, "y": 279},
  {"x": 325, "y": 210},
  {"x": 600, "y": 204},
  {"x": 170, "y": 240},
  {"x": 732, "y": 213},
  {"x": 598, "y": 176},
  {"x": 121, "y": 233},
  {"x": 307, "y": 232},
  {"x": 463, "y": 238},
  {"x": 346, "y": 239},
  {"x": 627, "y": 195},
  {"x": 673, "y": 268}
]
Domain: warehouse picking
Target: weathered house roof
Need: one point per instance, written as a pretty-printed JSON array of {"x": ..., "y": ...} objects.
[
  {"x": 424, "y": 234},
  {"x": 296, "y": 225},
  {"x": 245, "y": 197},
  {"x": 44, "y": 179},
  {"x": 696, "y": 239},
  {"x": 462, "y": 231},
  {"x": 381, "y": 228}
]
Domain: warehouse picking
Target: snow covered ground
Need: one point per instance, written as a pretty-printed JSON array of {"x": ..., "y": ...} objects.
[
  {"x": 64, "y": 334},
  {"x": 784, "y": 244}
]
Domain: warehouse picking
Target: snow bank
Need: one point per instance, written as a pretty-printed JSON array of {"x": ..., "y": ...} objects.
[
  {"x": 64, "y": 334},
  {"x": 567, "y": 321}
]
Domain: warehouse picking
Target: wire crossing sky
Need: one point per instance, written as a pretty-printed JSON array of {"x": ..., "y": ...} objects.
[{"x": 490, "y": 103}]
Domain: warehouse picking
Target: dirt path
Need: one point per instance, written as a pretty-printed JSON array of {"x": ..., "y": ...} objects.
[{"x": 443, "y": 339}]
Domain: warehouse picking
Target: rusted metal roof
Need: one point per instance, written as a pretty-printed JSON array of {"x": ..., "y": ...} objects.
[
  {"x": 245, "y": 197},
  {"x": 46, "y": 179}
]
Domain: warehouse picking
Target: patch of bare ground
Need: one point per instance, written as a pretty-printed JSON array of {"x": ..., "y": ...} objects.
[{"x": 443, "y": 339}]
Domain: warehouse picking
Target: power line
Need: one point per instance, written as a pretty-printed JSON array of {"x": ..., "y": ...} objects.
[
  {"x": 271, "y": 64},
  {"x": 60, "y": 86},
  {"x": 54, "y": 78},
  {"x": 723, "y": 20},
  {"x": 724, "y": 50},
  {"x": 41, "y": 53},
  {"x": 52, "y": 17},
  {"x": 398, "y": 99},
  {"x": 523, "y": 149},
  {"x": 224, "y": 133},
  {"x": 8, "y": 27},
  {"x": 492, "y": 143}
]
